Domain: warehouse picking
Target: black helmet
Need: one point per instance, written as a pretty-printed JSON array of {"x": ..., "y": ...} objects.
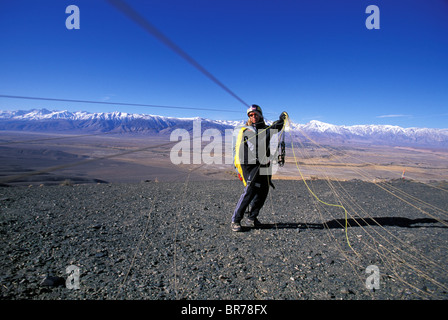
[{"x": 255, "y": 108}]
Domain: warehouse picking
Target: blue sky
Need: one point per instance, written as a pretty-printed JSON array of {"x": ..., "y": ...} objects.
[{"x": 315, "y": 59}]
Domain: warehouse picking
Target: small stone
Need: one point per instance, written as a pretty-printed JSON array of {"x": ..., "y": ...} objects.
[
  {"x": 101, "y": 254},
  {"x": 224, "y": 279},
  {"x": 345, "y": 290},
  {"x": 52, "y": 281}
]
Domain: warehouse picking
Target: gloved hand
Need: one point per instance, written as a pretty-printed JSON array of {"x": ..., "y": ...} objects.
[{"x": 283, "y": 116}]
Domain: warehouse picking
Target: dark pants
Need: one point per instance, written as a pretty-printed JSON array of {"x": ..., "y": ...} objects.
[{"x": 255, "y": 194}]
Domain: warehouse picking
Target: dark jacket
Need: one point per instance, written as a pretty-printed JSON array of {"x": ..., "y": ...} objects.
[{"x": 254, "y": 152}]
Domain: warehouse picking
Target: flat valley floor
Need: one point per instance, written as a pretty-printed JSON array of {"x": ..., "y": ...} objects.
[{"x": 38, "y": 158}]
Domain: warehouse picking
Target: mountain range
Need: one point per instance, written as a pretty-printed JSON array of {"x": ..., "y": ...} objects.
[{"x": 43, "y": 120}]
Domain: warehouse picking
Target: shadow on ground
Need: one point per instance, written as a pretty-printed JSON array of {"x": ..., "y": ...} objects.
[{"x": 359, "y": 222}]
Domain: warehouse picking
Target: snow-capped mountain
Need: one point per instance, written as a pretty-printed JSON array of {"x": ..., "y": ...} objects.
[
  {"x": 121, "y": 122},
  {"x": 43, "y": 120},
  {"x": 379, "y": 134}
]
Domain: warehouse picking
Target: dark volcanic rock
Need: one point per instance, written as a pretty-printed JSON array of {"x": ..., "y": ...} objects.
[
  {"x": 53, "y": 281},
  {"x": 173, "y": 241}
]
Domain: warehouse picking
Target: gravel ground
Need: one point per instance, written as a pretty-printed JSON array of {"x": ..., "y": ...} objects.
[{"x": 171, "y": 241}]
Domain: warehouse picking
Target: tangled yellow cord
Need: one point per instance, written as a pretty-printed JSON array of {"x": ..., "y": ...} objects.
[{"x": 315, "y": 196}]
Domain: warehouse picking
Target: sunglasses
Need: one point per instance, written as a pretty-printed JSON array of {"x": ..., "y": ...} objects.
[{"x": 253, "y": 114}]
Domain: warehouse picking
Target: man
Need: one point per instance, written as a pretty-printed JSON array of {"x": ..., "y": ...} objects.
[{"x": 252, "y": 155}]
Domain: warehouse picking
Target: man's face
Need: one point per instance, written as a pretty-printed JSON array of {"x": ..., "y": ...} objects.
[{"x": 254, "y": 117}]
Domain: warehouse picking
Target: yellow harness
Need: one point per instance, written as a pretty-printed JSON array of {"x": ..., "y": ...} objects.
[{"x": 236, "y": 159}]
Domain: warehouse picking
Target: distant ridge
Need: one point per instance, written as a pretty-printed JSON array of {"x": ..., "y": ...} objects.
[
  {"x": 375, "y": 134},
  {"x": 43, "y": 120}
]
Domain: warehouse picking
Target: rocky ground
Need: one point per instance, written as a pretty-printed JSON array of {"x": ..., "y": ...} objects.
[{"x": 171, "y": 241}]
